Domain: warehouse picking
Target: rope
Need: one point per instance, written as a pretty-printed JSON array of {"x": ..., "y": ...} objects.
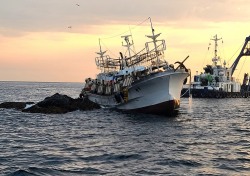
[
  {"x": 235, "y": 53},
  {"x": 109, "y": 49},
  {"x": 185, "y": 93},
  {"x": 118, "y": 35},
  {"x": 205, "y": 58},
  {"x": 241, "y": 67},
  {"x": 223, "y": 50},
  {"x": 190, "y": 94}
]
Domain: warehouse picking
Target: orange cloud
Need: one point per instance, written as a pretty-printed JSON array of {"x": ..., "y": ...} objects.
[{"x": 67, "y": 54}]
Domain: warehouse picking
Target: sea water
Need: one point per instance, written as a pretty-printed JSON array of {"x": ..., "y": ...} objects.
[{"x": 206, "y": 137}]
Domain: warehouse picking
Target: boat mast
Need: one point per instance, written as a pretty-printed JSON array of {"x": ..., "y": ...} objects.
[
  {"x": 154, "y": 41},
  {"x": 128, "y": 44},
  {"x": 101, "y": 53},
  {"x": 215, "y": 59}
]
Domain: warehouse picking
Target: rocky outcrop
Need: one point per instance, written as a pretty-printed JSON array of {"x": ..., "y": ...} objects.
[
  {"x": 15, "y": 105},
  {"x": 56, "y": 104}
]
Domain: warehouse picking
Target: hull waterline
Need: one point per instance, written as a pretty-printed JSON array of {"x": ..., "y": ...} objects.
[{"x": 157, "y": 94}]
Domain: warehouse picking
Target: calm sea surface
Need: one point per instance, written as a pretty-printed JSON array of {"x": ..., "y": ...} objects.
[{"x": 207, "y": 137}]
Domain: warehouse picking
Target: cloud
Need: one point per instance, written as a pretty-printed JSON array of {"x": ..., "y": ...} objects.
[
  {"x": 18, "y": 17},
  {"x": 167, "y": 10}
]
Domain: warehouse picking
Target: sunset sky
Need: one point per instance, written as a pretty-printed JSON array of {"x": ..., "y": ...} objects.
[{"x": 56, "y": 40}]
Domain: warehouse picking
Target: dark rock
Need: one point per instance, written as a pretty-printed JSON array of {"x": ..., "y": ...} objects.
[
  {"x": 46, "y": 110},
  {"x": 85, "y": 104},
  {"x": 58, "y": 104},
  {"x": 15, "y": 105},
  {"x": 56, "y": 100}
]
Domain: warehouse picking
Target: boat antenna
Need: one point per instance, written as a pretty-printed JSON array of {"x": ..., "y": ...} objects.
[
  {"x": 100, "y": 45},
  {"x": 151, "y": 25},
  {"x": 132, "y": 38}
]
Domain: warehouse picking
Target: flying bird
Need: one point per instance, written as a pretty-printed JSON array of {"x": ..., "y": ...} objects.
[
  {"x": 69, "y": 27},
  {"x": 77, "y": 4}
]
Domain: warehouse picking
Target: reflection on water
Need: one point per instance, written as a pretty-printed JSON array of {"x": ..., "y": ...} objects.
[
  {"x": 190, "y": 101},
  {"x": 206, "y": 137}
]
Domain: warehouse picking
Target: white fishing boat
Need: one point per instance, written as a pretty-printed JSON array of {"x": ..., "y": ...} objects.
[
  {"x": 142, "y": 82},
  {"x": 217, "y": 80}
]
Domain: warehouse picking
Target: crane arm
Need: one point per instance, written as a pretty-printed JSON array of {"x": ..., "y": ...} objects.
[{"x": 245, "y": 51}]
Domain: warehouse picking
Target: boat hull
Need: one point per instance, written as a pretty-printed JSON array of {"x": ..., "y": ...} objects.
[
  {"x": 158, "y": 93},
  {"x": 229, "y": 90},
  {"x": 164, "y": 108},
  {"x": 206, "y": 93}
]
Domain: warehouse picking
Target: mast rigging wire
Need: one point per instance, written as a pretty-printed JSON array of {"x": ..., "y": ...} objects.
[
  {"x": 135, "y": 26},
  {"x": 108, "y": 49},
  {"x": 118, "y": 35},
  {"x": 235, "y": 52},
  {"x": 242, "y": 67}
]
